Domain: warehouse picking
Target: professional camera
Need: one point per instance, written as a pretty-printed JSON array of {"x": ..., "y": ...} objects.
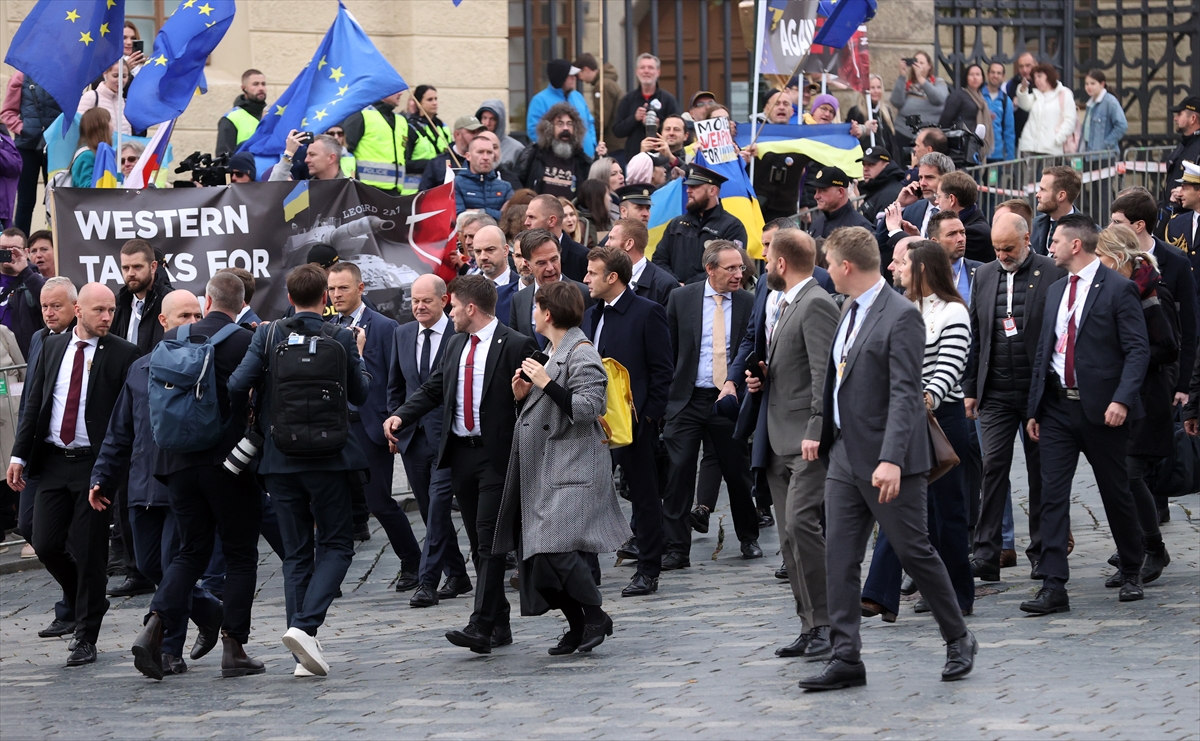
[
  {"x": 207, "y": 171},
  {"x": 966, "y": 146}
]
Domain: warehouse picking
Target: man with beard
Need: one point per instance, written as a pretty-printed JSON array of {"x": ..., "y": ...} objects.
[
  {"x": 555, "y": 163},
  {"x": 140, "y": 302},
  {"x": 909, "y": 214},
  {"x": 630, "y": 121},
  {"x": 239, "y": 124},
  {"x": 881, "y": 182},
  {"x": 1057, "y": 190},
  {"x": 681, "y": 250},
  {"x": 1187, "y": 126},
  {"x": 560, "y": 74}
]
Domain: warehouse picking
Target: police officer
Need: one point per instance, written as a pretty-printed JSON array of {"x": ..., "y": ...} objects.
[
  {"x": 377, "y": 137},
  {"x": 681, "y": 250},
  {"x": 635, "y": 201},
  {"x": 833, "y": 203},
  {"x": 239, "y": 124}
]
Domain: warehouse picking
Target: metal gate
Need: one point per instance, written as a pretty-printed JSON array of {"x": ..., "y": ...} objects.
[{"x": 1148, "y": 49}]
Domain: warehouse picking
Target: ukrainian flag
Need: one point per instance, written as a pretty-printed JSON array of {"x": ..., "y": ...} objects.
[
  {"x": 739, "y": 199},
  {"x": 296, "y": 201},
  {"x": 104, "y": 172},
  {"x": 666, "y": 203},
  {"x": 828, "y": 144}
]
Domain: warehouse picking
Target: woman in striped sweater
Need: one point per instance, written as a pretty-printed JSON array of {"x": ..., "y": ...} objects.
[{"x": 925, "y": 274}]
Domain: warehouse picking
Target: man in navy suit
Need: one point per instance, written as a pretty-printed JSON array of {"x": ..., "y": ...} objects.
[
  {"x": 633, "y": 331},
  {"x": 1057, "y": 190},
  {"x": 959, "y": 194},
  {"x": 417, "y": 350},
  {"x": 541, "y": 251},
  {"x": 308, "y": 490},
  {"x": 647, "y": 279},
  {"x": 366, "y": 420},
  {"x": 1092, "y": 356},
  {"x": 909, "y": 215},
  {"x": 545, "y": 212},
  {"x": 491, "y": 256},
  {"x": 246, "y": 317}
]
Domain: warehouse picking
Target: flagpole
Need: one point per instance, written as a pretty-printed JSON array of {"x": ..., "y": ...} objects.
[
  {"x": 870, "y": 110},
  {"x": 600, "y": 77},
  {"x": 450, "y": 148},
  {"x": 758, "y": 50},
  {"x": 120, "y": 105}
]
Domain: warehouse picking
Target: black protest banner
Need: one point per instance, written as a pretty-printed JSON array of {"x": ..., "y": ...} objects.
[{"x": 266, "y": 228}]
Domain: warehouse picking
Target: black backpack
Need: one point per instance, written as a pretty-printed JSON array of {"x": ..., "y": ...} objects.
[{"x": 309, "y": 411}]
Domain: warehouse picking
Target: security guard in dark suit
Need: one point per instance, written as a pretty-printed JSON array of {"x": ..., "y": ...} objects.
[{"x": 681, "y": 250}]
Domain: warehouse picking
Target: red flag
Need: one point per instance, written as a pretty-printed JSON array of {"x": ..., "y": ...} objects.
[{"x": 431, "y": 229}]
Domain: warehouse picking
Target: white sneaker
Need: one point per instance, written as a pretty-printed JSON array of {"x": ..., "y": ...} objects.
[
  {"x": 307, "y": 650},
  {"x": 302, "y": 672}
]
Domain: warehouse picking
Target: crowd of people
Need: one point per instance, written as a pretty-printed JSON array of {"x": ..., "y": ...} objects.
[{"x": 877, "y": 365}]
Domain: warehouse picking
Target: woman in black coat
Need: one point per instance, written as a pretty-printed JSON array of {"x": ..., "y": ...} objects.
[{"x": 1153, "y": 436}]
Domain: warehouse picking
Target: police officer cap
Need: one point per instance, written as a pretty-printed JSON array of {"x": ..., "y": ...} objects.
[
  {"x": 1191, "y": 174},
  {"x": 698, "y": 175},
  {"x": 876, "y": 154},
  {"x": 322, "y": 254},
  {"x": 1190, "y": 103},
  {"x": 831, "y": 177},
  {"x": 639, "y": 194}
]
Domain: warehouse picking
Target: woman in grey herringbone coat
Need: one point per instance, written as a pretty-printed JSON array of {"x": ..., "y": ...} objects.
[{"x": 559, "y": 490}]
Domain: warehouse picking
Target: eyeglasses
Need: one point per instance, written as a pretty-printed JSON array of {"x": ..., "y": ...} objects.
[
  {"x": 129, "y": 160},
  {"x": 336, "y": 133},
  {"x": 733, "y": 268}
]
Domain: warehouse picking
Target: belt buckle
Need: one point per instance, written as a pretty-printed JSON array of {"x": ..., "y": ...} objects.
[{"x": 1072, "y": 394}]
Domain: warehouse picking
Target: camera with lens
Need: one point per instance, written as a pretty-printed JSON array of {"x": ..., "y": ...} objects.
[
  {"x": 966, "y": 148},
  {"x": 207, "y": 171},
  {"x": 244, "y": 452}
]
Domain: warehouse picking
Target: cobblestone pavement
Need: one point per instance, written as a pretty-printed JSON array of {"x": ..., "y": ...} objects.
[{"x": 694, "y": 660}]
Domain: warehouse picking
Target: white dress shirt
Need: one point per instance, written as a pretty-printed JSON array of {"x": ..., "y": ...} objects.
[
  {"x": 704, "y": 373},
  {"x": 505, "y": 278},
  {"x": 137, "y": 308},
  {"x": 355, "y": 316},
  {"x": 1058, "y": 360},
  {"x": 774, "y": 299},
  {"x": 607, "y": 306},
  {"x": 435, "y": 340},
  {"x": 639, "y": 267},
  {"x": 479, "y": 366},
  {"x": 842, "y": 347}
]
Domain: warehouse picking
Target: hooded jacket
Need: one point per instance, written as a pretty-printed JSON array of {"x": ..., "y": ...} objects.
[
  {"x": 485, "y": 191},
  {"x": 510, "y": 148},
  {"x": 545, "y": 100}
]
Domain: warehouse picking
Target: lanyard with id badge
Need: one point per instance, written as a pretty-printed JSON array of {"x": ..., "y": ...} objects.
[{"x": 1010, "y": 324}]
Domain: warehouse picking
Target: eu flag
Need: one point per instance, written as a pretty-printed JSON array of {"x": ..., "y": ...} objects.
[
  {"x": 66, "y": 45},
  {"x": 842, "y": 19},
  {"x": 175, "y": 68},
  {"x": 345, "y": 75}
]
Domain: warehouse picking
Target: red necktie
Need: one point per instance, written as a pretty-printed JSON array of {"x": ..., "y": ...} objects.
[
  {"x": 469, "y": 387},
  {"x": 74, "y": 391},
  {"x": 1069, "y": 363}
]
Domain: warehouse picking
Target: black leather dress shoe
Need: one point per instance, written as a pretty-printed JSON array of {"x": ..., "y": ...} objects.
[
  {"x": 72, "y": 645},
  {"x": 501, "y": 636},
  {"x": 794, "y": 649},
  {"x": 836, "y": 675},
  {"x": 1047, "y": 602},
  {"x": 960, "y": 657},
  {"x": 700, "y": 519},
  {"x": 454, "y": 586},
  {"x": 173, "y": 664},
  {"x": 84, "y": 653},
  {"x": 567, "y": 644},
  {"x": 1114, "y": 581},
  {"x": 425, "y": 596},
  {"x": 1154, "y": 564},
  {"x": 471, "y": 637},
  {"x": 908, "y": 586},
  {"x": 750, "y": 549},
  {"x": 765, "y": 519},
  {"x": 984, "y": 570},
  {"x": 132, "y": 587},
  {"x": 1115, "y": 560},
  {"x": 819, "y": 648},
  {"x": 593, "y": 635},
  {"x": 57, "y": 629},
  {"x": 235, "y": 662},
  {"x": 406, "y": 581},
  {"x": 640, "y": 587},
  {"x": 362, "y": 532},
  {"x": 206, "y": 640},
  {"x": 781, "y": 572},
  {"x": 628, "y": 550},
  {"x": 921, "y": 606},
  {"x": 673, "y": 561},
  {"x": 1131, "y": 590},
  {"x": 147, "y": 648}
]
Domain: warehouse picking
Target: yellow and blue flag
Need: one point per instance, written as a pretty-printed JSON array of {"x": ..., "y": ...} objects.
[
  {"x": 828, "y": 144},
  {"x": 296, "y": 201},
  {"x": 66, "y": 45},
  {"x": 105, "y": 170},
  {"x": 739, "y": 199},
  {"x": 345, "y": 75},
  {"x": 174, "y": 69},
  {"x": 666, "y": 203}
]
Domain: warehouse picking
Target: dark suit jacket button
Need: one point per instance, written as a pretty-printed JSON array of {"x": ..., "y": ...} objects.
[{"x": 546, "y": 427}]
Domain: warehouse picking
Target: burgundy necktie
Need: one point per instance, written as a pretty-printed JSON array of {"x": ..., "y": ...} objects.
[
  {"x": 74, "y": 391},
  {"x": 1069, "y": 362},
  {"x": 469, "y": 387}
]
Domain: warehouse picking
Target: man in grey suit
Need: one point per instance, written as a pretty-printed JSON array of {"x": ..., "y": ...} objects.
[
  {"x": 706, "y": 320},
  {"x": 798, "y": 342},
  {"x": 878, "y": 453},
  {"x": 541, "y": 250}
]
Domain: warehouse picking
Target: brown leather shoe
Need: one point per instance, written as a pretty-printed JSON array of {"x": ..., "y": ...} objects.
[
  {"x": 1008, "y": 558},
  {"x": 235, "y": 662},
  {"x": 1070, "y": 542},
  {"x": 871, "y": 608},
  {"x": 147, "y": 648}
]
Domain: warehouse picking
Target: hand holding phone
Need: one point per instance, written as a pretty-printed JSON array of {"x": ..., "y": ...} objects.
[{"x": 538, "y": 357}]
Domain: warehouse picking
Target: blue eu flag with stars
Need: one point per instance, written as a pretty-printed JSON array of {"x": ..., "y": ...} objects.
[
  {"x": 175, "y": 67},
  {"x": 345, "y": 75},
  {"x": 65, "y": 45}
]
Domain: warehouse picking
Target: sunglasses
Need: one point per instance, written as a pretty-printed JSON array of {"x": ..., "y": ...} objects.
[
  {"x": 129, "y": 160},
  {"x": 336, "y": 133}
]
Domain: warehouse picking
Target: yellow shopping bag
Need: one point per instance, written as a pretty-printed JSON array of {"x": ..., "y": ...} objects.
[{"x": 618, "y": 420}]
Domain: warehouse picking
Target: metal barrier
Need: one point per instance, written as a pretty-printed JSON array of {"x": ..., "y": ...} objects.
[
  {"x": 11, "y": 378},
  {"x": 1145, "y": 166},
  {"x": 1001, "y": 181}
]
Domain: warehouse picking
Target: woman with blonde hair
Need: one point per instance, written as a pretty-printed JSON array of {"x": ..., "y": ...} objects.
[
  {"x": 106, "y": 95},
  {"x": 883, "y": 120},
  {"x": 581, "y": 230},
  {"x": 1153, "y": 436},
  {"x": 608, "y": 171}
]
